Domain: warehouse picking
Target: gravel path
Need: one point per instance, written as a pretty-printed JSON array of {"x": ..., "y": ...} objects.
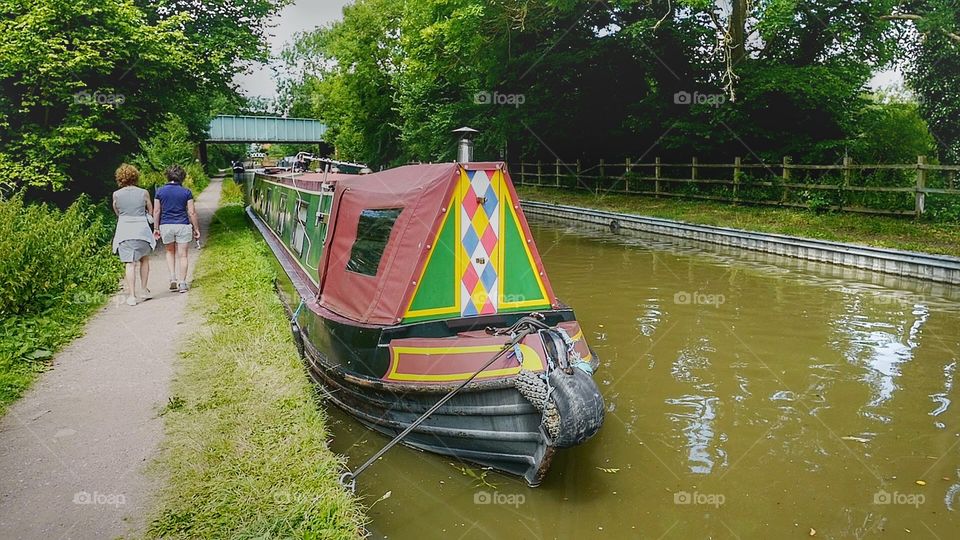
[{"x": 73, "y": 450}]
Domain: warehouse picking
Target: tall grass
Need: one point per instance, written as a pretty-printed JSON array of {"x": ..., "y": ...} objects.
[
  {"x": 246, "y": 453},
  {"x": 56, "y": 267}
]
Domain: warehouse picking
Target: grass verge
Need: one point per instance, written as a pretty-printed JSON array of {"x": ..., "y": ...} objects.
[
  {"x": 880, "y": 231},
  {"x": 245, "y": 453}
]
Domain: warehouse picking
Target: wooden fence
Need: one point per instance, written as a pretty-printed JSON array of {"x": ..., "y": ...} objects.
[{"x": 891, "y": 189}]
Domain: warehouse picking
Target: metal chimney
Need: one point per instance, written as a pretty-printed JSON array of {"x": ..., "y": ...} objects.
[{"x": 465, "y": 144}]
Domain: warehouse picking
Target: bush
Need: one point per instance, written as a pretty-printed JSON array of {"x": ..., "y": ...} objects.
[
  {"x": 170, "y": 144},
  {"x": 55, "y": 268},
  {"x": 48, "y": 255}
]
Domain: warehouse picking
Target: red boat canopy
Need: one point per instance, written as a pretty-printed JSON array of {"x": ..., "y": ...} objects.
[{"x": 426, "y": 242}]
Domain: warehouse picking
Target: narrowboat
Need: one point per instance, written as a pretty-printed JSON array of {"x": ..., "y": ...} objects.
[{"x": 403, "y": 284}]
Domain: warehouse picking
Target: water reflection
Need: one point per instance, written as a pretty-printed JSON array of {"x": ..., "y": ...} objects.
[
  {"x": 810, "y": 389},
  {"x": 696, "y": 418}
]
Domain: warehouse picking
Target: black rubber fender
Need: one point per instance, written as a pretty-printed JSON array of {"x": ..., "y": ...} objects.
[
  {"x": 298, "y": 340},
  {"x": 580, "y": 405}
]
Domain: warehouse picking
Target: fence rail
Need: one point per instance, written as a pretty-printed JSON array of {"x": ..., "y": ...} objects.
[{"x": 889, "y": 189}]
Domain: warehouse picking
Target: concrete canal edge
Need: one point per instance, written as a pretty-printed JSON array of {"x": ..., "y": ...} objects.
[{"x": 939, "y": 268}]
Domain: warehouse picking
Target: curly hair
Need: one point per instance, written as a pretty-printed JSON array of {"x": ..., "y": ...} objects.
[
  {"x": 127, "y": 175},
  {"x": 175, "y": 173}
]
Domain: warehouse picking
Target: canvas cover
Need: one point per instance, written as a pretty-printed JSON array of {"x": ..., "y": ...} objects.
[{"x": 427, "y": 242}]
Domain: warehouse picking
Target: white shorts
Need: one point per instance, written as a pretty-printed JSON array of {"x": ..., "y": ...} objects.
[{"x": 181, "y": 234}]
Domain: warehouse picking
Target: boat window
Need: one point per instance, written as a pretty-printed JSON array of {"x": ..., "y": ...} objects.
[
  {"x": 282, "y": 213},
  {"x": 373, "y": 232},
  {"x": 300, "y": 226}
]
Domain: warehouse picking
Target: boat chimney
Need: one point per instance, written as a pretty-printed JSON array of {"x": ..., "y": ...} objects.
[{"x": 465, "y": 144}]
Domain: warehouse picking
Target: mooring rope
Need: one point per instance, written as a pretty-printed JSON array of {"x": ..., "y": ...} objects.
[
  {"x": 297, "y": 311},
  {"x": 349, "y": 479}
]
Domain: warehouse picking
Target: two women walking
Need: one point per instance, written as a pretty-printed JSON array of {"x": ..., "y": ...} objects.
[{"x": 173, "y": 217}]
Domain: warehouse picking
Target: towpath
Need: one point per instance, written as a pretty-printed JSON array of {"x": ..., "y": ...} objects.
[{"x": 73, "y": 450}]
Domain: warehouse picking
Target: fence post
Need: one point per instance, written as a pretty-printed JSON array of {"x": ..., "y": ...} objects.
[
  {"x": 539, "y": 173},
  {"x": 693, "y": 169},
  {"x": 579, "y": 181},
  {"x": 847, "y": 171},
  {"x": 557, "y": 178},
  {"x": 787, "y": 160},
  {"x": 656, "y": 177},
  {"x": 921, "y": 196},
  {"x": 523, "y": 173},
  {"x": 736, "y": 180},
  {"x": 626, "y": 176}
]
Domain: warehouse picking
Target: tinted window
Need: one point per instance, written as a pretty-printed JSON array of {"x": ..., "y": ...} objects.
[{"x": 373, "y": 232}]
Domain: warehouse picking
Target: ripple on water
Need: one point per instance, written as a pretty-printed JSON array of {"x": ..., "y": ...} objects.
[{"x": 697, "y": 414}]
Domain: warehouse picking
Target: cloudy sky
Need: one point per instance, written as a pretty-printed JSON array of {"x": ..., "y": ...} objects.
[
  {"x": 299, "y": 17},
  {"x": 306, "y": 15}
]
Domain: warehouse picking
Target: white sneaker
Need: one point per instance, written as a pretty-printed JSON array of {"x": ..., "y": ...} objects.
[
  {"x": 131, "y": 300},
  {"x": 173, "y": 284},
  {"x": 144, "y": 294}
]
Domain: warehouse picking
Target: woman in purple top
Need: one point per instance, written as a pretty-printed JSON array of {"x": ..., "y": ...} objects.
[{"x": 176, "y": 220}]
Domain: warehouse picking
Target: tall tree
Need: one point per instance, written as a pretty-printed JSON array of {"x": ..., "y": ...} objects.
[{"x": 932, "y": 31}]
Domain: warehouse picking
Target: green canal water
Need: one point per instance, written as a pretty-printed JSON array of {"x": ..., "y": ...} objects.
[{"x": 749, "y": 396}]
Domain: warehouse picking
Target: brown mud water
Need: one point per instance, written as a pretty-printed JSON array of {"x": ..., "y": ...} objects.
[{"x": 748, "y": 395}]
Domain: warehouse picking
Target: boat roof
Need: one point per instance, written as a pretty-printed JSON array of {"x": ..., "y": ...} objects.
[{"x": 427, "y": 242}]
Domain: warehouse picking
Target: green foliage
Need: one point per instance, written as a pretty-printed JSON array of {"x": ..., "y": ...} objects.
[
  {"x": 892, "y": 131},
  {"x": 55, "y": 268},
  {"x": 393, "y": 78},
  {"x": 934, "y": 70},
  {"x": 880, "y": 231},
  {"x": 170, "y": 144},
  {"x": 246, "y": 452},
  {"x": 83, "y": 80}
]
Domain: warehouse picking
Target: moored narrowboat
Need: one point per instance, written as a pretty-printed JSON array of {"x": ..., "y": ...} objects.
[{"x": 404, "y": 284}]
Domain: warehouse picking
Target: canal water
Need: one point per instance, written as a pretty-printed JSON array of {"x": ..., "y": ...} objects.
[{"x": 749, "y": 396}]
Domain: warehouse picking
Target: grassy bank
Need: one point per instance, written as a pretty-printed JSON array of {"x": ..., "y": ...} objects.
[
  {"x": 888, "y": 232},
  {"x": 56, "y": 269},
  {"x": 245, "y": 454}
]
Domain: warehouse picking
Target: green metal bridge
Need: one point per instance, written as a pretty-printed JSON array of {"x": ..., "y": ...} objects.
[
  {"x": 262, "y": 129},
  {"x": 265, "y": 129}
]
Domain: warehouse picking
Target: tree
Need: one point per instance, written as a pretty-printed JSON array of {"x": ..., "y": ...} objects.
[
  {"x": 83, "y": 80},
  {"x": 589, "y": 80},
  {"x": 932, "y": 30}
]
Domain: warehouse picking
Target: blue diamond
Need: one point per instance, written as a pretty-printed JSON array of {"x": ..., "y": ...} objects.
[
  {"x": 488, "y": 276},
  {"x": 491, "y": 205},
  {"x": 470, "y": 241}
]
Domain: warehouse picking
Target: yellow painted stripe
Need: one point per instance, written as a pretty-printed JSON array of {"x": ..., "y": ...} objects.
[{"x": 528, "y": 362}]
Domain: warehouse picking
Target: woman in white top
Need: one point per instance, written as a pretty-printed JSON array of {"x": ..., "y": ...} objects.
[{"x": 133, "y": 242}]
